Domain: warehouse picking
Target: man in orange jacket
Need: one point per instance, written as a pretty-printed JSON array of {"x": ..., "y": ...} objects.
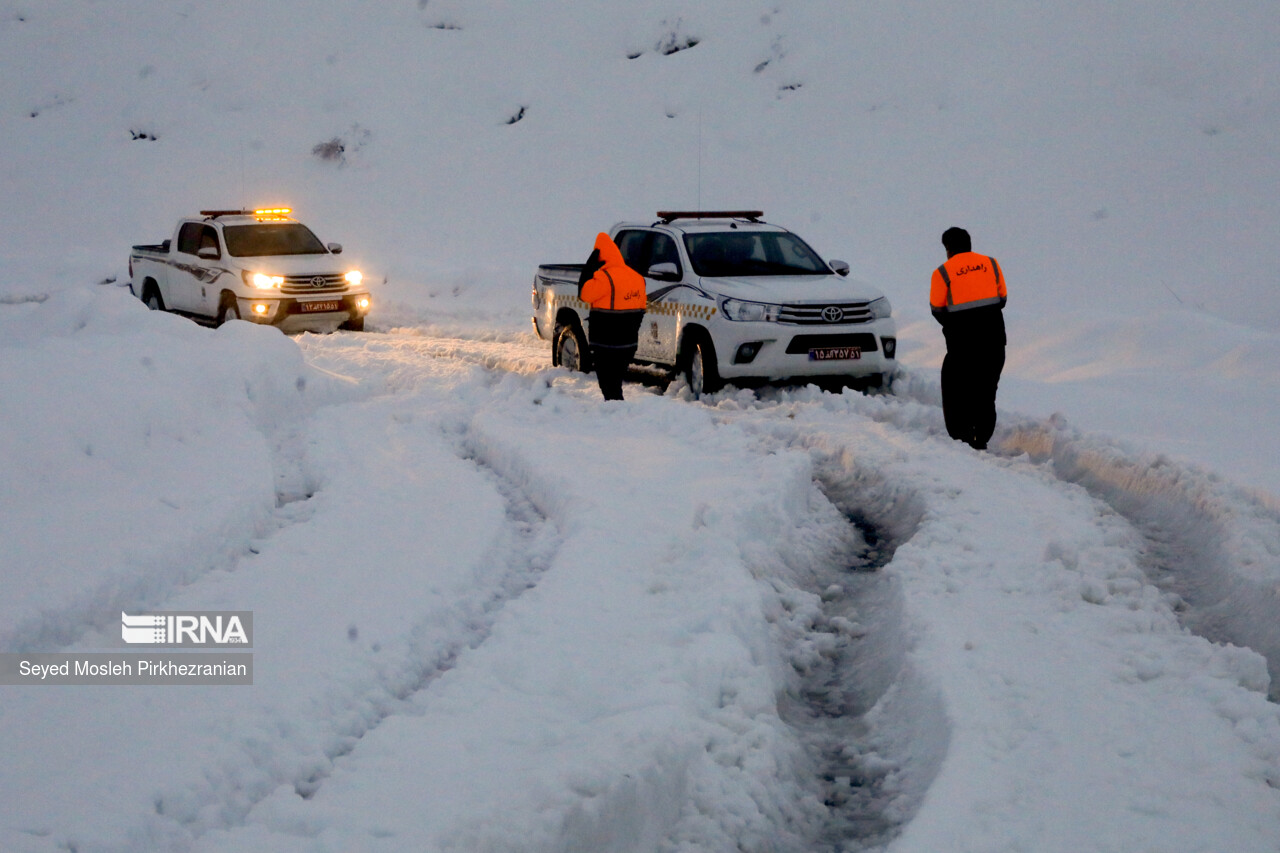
[
  {"x": 967, "y": 295},
  {"x": 617, "y": 298}
]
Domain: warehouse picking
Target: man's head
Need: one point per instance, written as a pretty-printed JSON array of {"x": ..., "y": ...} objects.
[{"x": 956, "y": 240}]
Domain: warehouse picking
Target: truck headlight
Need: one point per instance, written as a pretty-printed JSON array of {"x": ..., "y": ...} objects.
[
  {"x": 362, "y": 302},
  {"x": 749, "y": 312},
  {"x": 354, "y": 277},
  {"x": 261, "y": 281},
  {"x": 880, "y": 308}
]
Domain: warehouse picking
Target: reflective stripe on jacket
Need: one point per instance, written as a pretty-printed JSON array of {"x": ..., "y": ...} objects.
[
  {"x": 967, "y": 280},
  {"x": 615, "y": 286}
]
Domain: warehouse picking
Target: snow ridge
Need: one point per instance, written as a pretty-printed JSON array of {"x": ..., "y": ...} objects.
[{"x": 1214, "y": 545}]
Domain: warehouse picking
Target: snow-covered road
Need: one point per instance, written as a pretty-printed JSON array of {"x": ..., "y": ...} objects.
[{"x": 495, "y": 613}]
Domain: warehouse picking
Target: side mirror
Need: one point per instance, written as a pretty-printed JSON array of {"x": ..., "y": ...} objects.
[
  {"x": 208, "y": 253},
  {"x": 840, "y": 268},
  {"x": 335, "y": 248},
  {"x": 666, "y": 271}
]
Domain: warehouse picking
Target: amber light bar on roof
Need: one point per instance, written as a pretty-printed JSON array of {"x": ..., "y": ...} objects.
[{"x": 262, "y": 213}]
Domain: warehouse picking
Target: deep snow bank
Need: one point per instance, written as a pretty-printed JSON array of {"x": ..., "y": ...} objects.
[{"x": 132, "y": 440}]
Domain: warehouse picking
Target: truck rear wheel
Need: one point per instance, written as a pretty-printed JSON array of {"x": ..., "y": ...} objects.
[{"x": 570, "y": 349}]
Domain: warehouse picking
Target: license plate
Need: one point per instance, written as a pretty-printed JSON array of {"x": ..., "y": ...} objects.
[
  {"x": 330, "y": 305},
  {"x": 834, "y": 353}
]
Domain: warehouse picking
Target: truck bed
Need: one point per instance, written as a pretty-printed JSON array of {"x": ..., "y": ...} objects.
[
  {"x": 561, "y": 272},
  {"x": 156, "y": 249}
]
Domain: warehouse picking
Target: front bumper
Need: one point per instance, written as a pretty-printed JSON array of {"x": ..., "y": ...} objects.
[
  {"x": 777, "y": 351},
  {"x": 321, "y": 314}
]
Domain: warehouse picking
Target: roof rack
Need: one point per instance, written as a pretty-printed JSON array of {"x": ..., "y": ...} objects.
[
  {"x": 214, "y": 214},
  {"x": 666, "y": 217}
]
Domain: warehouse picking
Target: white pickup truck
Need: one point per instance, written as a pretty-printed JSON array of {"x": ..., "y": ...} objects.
[
  {"x": 731, "y": 298},
  {"x": 256, "y": 265}
]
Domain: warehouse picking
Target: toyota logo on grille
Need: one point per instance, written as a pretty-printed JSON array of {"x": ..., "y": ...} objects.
[
  {"x": 833, "y": 313},
  {"x": 318, "y": 281}
]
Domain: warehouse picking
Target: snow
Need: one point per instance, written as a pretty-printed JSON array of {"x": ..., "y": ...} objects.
[{"x": 495, "y": 613}]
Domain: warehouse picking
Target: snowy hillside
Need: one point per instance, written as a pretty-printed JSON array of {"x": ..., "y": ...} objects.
[{"x": 493, "y": 613}]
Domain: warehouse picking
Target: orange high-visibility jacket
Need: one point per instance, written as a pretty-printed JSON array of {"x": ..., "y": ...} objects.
[
  {"x": 967, "y": 280},
  {"x": 615, "y": 286}
]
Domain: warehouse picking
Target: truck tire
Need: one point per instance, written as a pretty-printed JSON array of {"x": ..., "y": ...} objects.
[
  {"x": 355, "y": 324},
  {"x": 701, "y": 369},
  {"x": 570, "y": 349},
  {"x": 229, "y": 310},
  {"x": 151, "y": 296}
]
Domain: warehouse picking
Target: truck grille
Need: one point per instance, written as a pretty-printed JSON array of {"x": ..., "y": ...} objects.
[
  {"x": 319, "y": 283},
  {"x": 801, "y": 344},
  {"x": 830, "y": 314}
]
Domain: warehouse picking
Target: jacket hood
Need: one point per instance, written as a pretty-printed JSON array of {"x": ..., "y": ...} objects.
[{"x": 610, "y": 256}]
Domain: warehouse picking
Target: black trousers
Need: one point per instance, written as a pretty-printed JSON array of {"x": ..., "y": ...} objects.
[
  {"x": 614, "y": 337},
  {"x": 611, "y": 365},
  {"x": 970, "y": 375}
]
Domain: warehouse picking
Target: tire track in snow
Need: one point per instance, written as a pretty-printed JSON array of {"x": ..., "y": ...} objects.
[
  {"x": 1201, "y": 536},
  {"x": 869, "y": 725},
  {"x": 524, "y": 549},
  {"x": 847, "y": 660},
  {"x": 528, "y": 556},
  {"x": 177, "y": 568},
  {"x": 1215, "y": 545},
  {"x": 863, "y": 761}
]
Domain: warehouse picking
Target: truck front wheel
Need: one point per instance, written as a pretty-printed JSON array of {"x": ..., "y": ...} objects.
[
  {"x": 151, "y": 296},
  {"x": 570, "y": 349},
  {"x": 700, "y": 367},
  {"x": 229, "y": 310}
]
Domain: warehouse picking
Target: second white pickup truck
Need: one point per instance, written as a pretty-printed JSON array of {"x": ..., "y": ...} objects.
[
  {"x": 256, "y": 265},
  {"x": 731, "y": 298}
]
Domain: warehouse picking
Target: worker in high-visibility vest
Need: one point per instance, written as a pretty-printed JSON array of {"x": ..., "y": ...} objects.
[
  {"x": 967, "y": 295},
  {"x": 617, "y": 298}
]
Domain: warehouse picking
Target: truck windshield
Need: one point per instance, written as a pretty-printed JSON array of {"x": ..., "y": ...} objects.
[
  {"x": 286, "y": 238},
  {"x": 738, "y": 253}
]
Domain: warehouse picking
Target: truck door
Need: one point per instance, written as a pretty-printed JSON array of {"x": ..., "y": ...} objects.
[
  {"x": 177, "y": 288},
  {"x": 653, "y": 254},
  {"x": 193, "y": 281}
]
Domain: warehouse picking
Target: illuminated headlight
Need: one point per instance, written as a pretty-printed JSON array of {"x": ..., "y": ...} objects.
[
  {"x": 362, "y": 302},
  {"x": 354, "y": 277},
  {"x": 749, "y": 312},
  {"x": 879, "y": 308},
  {"x": 261, "y": 308},
  {"x": 262, "y": 281}
]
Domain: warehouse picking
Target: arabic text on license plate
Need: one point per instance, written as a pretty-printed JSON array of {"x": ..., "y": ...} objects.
[
  {"x": 834, "y": 353},
  {"x": 320, "y": 306}
]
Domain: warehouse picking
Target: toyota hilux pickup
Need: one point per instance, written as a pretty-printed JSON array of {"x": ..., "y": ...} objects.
[
  {"x": 258, "y": 265},
  {"x": 731, "y": 298}
]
